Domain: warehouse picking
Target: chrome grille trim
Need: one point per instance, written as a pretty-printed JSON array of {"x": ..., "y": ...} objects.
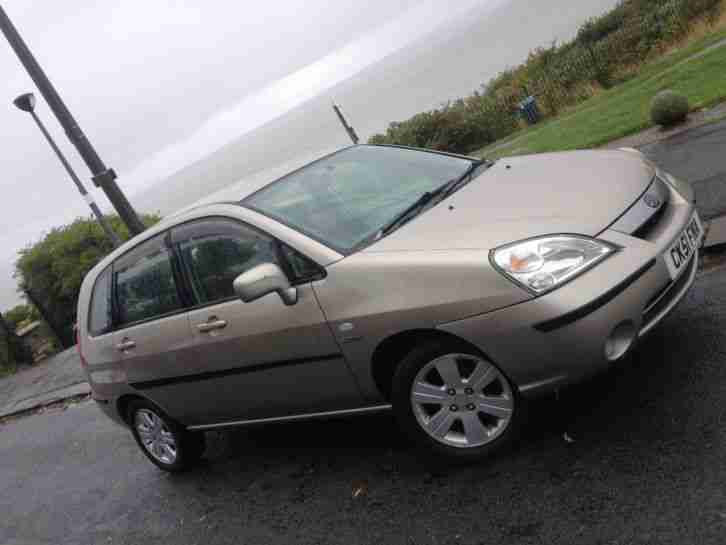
[{"x": 641, "y": 217}]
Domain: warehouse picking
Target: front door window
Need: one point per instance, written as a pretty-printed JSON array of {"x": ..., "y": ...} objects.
[{"x": 215, "y": 252}]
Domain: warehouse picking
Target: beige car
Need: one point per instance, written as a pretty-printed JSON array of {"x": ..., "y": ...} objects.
[{"x": 378, "y": 277}]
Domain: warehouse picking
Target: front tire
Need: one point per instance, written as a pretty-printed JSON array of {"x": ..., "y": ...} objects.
[
  {"x": 166, "y": 443},
  {"x": 454, "y": 402}
]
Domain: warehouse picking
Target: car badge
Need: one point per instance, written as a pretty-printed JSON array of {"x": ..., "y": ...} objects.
[{"x": 652, "y": 201}]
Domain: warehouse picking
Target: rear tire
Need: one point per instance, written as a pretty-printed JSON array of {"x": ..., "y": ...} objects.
[
  {"x": 451, "y": 400},
  {"x": 165, "y": 442}
]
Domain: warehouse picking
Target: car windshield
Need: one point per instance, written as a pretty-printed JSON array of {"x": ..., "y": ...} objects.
[{"x": 348, "y": 197}]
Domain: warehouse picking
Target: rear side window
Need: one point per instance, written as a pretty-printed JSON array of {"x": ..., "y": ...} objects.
[
  {"x": 145, "y": 283},
  {"x": 99, "y": 320}
]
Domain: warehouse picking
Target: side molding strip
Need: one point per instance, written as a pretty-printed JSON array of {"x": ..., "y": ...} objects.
[
  {"x": 292, "y": 418},
  {"x": 145, "y": 385}
]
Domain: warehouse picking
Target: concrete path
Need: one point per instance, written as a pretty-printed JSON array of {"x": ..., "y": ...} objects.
[
  {"x": 652, "y": 135},
  {"x": 54, "y": 379}
]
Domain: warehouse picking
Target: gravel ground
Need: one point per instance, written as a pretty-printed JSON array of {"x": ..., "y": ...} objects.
[{"x": 56, "y": 374}]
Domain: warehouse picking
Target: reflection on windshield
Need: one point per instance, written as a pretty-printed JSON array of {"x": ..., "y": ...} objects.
[{"x": 345, "y": 198}]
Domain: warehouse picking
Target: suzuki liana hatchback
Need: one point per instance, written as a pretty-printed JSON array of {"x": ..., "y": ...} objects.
[{"x": 446, "y": 288}]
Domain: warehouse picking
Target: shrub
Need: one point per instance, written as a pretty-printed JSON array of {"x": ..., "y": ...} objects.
[
  {"x": 668, "y": 108},
  {"x": 20, "y": 315},
  {"x": 606, "y": 51},
  {"x": 7, "y": 362},
  {"x": 53, "y": 268},
  {"x": 12, "y": 350}
]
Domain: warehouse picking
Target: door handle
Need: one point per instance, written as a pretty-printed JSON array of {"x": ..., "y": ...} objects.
[
  {"x": 126, "y": 344},
  {"x": 212, "y": 325}
]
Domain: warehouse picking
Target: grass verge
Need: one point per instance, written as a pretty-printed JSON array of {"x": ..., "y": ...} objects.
[{"x": 695, "y": 71}]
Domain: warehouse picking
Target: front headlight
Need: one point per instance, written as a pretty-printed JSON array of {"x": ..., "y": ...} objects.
[{"x": 542, "y": 264}]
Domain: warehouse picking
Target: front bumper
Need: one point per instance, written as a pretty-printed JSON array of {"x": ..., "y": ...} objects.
[{"x": 561, "y": 337}]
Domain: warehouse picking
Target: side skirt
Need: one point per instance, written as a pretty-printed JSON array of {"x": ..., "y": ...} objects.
[{"x": 291, "y": 418}]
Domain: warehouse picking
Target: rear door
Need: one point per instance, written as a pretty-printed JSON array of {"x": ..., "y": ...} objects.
[
  {"x": 260, "y": 359},
  {"x": 152, "y": 333},
  {"x": 100, "y": 354}
]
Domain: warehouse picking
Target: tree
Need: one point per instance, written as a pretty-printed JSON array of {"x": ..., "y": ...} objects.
[{"x": 53, "y": 268}]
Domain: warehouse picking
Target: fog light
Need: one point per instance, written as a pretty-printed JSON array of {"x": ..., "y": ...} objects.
[{"x": 620, "y": 340}]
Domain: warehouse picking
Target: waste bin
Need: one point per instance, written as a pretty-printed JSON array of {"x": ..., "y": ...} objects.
[{"x": 529, "y": 111}]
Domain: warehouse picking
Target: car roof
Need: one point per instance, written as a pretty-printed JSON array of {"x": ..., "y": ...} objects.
[
  {"x": 247, "y": 186},
  {"x": 217, "y": 203}
]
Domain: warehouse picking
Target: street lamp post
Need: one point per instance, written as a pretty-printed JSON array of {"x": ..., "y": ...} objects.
[
  {"x": 26, "y": 103},
  {"x": 103, "y": 177}
]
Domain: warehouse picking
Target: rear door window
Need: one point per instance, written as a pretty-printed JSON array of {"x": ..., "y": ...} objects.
[{"x": 145, "y": 283}]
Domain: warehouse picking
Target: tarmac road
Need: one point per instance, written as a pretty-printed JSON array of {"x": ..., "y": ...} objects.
[
  {"x": 697, "y": 155},
  {"x": 648, "y": 465}
]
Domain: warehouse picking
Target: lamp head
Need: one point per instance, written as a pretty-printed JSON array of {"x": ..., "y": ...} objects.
[{"x": 25, "y": 102}]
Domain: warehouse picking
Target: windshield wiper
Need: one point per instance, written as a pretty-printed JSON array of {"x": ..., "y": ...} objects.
[
  {"x": 440, "y": 193},
  {"x": 409, "y": 212},
  {"x": 453, "y": 185}
]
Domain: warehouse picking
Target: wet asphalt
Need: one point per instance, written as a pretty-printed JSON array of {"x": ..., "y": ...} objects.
[
  {"x": 697, "y": 155},
  {"x": 647, "y": 465}
]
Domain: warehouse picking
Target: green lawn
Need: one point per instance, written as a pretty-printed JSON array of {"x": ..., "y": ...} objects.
[{"x": 624, "y": 109}]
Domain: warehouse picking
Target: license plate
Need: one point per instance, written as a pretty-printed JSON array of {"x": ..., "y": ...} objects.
[{"x": 679, "y": 254}]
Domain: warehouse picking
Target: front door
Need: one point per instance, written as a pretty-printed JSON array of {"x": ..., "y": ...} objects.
[{"x": 260, "y": 359}]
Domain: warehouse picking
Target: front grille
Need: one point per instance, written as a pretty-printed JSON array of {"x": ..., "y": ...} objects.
[
  {"x": 644, "y": 230},
  {"x": 644, "y": 215},
  {"x": 665, "y": 296}
]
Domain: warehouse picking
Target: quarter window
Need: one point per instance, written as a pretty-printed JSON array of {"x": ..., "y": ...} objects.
[
  {"x": 145, "y": 284},
  {"x": 302, "y": 268},
  {"x": 99, "y": 321}
]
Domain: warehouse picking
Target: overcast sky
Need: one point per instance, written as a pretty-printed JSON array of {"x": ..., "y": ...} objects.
[{"x": 158, "y": 84}]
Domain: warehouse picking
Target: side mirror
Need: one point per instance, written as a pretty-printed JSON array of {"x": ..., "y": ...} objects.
[{"x": 263, "y": 279}]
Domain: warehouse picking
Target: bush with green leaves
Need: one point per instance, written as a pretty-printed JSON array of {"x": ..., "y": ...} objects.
[
  {"x": 607, "y": 50},
  {"x": 7, "y": 362},
  {"x": 21, "y": 315},
  {"x": 12, "y": 349},
  {"x": 459, "y": 127},
  {"x": 53, "y": 268},
  {"x": 668, "y": 108}
]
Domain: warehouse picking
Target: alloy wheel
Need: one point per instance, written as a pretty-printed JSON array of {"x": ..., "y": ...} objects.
[
  {"x": 155, "y": 436},
  {"x": 462, "y": 400}
]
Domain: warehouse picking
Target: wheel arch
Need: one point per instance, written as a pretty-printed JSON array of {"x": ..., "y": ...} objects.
[
  {"x": 122, "y": 405},
  {"x": 391, "y": 350}
]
